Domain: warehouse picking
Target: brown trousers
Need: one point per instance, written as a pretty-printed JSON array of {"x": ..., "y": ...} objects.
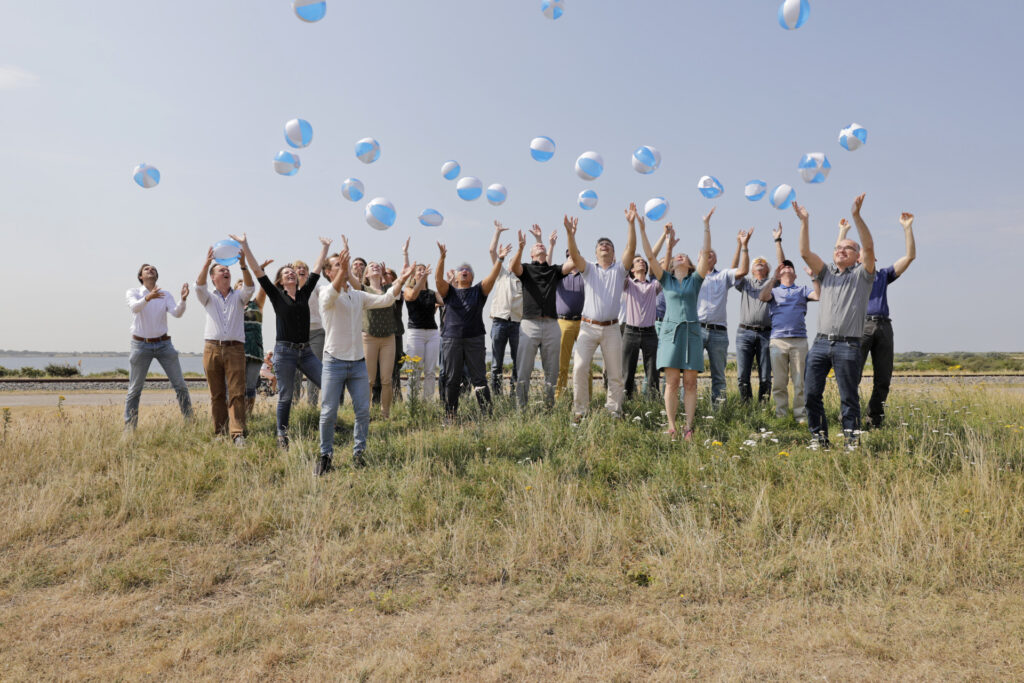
[{"x": 225, "y": 373}]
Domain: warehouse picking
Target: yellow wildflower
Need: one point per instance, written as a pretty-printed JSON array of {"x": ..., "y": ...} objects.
[{"x": 784, "y": 454}]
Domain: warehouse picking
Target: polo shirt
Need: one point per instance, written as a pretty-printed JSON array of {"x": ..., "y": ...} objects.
[
  {"x": 788, "y": 308},
  {"x": 878, "y": 301},
  {"x": 540, "y": 284},
  {"x": 641, "y": 302},
  {"x": 844, "y": 299},
  {"x": 753, "y": 311},
  {"x": 569, "y": 295},
  {"x": 603, "y": 290},
  {"x": 713, "y": 295},
  {"x": 464, "y": 312}
]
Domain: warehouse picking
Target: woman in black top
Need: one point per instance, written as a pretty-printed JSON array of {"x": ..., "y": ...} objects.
[
  {"x": 422, "y": 340},
  {"x": 292, "y": 350}
]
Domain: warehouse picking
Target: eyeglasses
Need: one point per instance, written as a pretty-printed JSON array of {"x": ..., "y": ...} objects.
[{"x": 845, "y": 249}]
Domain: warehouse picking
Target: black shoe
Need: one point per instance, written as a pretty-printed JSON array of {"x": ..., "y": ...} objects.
[
  {"x": 323, "y": 466},
  {"x": 358, "y": 461},
  {"x": 282, "y": 442}
]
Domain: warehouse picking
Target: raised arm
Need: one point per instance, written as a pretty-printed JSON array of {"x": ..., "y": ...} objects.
[
  {"x": 201, "y": 280},
  {"x": 766, "y": 289},
  {"x": 325, "y": 246},
  {"x": 652, "y": 254},
  {"x": 552, "y": 241},
  {"x": 353, "y": 281},
  {"x": 517, "y": 260},
  {"x": 493, "y": 249},
  {"x": 907, "y": 221},
  {"x": 705, "y": 251},
  {"x": 405, "y": 253},
  {"x": 571, "y": 224},
  {"x": 812, "y": 260},
  {"x": 780, "y": 256},
  {"x": 340, "y": 279},
  {"x": 867, "y": 243},
  {"x": 247, "y": 251},
  {"x": 439, "y": 282},
  {"x": 844, "y": 228},
  {"x": 407, "y": 270},
  {"x": 412, "y": 292},
  {"x": 488, "y": 282},
  {"x": 744, "y": 240},
  {"x": 629, "y": 253}
]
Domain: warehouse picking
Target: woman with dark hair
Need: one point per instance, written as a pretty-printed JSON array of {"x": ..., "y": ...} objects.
[
  {"x": 422, "y": 340},
  {"x": 292, "y": 349},
  {"x": 253, "y": 342}
]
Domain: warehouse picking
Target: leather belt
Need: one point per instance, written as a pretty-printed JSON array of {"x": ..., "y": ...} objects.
[
  {"x": 836, "y": 337},
  {"x": 224, "y": 342},
  {"x": 599, "y": 323},
  {"x": 755, "y": 328},
  {"x": 634, "y": 328},
  {"x": 710, "y": 326},
  {"x": 878, "y": 318},
  {"x": 293, "y": 345},
  {"x": 570, "y": 317},
  {"x": 152, "y": 340}
]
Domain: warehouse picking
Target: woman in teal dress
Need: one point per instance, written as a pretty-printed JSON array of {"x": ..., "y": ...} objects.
[{"x": 679, "y": 342}]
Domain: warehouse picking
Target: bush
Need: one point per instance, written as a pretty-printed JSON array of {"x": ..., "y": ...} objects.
[
  {"x": 61, "y": 370},
  {"x": 31, "y": 372},
  {"x": 4, "y": 372}
]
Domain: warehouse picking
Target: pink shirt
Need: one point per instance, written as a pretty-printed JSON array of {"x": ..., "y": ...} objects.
[{"x": 641, "y": 300}]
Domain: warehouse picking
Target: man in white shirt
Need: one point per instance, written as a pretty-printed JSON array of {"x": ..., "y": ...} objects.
[
  {"x": 603, "y": 281},
  {"x": 224, "y": 349},
  {"x": 506, "y": 316},
  {"x": 149, "y": 306},
  {"x": 344, "y": 364}
]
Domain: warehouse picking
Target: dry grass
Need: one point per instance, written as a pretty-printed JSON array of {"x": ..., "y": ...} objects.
[{"x": 517, "y": 548}]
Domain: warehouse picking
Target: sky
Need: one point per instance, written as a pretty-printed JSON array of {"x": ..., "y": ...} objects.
[{"x": 202, "y": 91}]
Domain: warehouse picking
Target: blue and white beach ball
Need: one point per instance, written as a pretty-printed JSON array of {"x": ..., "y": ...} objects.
[
  {"x": 310, "y": 10},
  {"x": 552, "y": 9},
  {"x": 380, "y": 214},
  {"x": 755, "y": 190},
  {"x": 814, "y": 167},
  {"x": 226, "y": 252},
  {"x": 793, "y": 13},
  {"x": 710, "y": 187},
  {"x": 782, "y": 196},
  {"x": 587, "y": 200},
  {"x": 146, "y": 176},
  {"x": 451, "y": 170},
  {"x": 469, "y": 188},
  {"x": 352, "y": 189},
  {"x": 497, "y": 194},
  {"x": 286, "y": 163},
  {"x": 431, "y": 218},
  {"x": 298, "y": 133},
  {"x": 368, "y": 150},
  {"x": 656, "y": 208},
  {"x": 589, "y": 166},
  {"x": 853, "y": 136},
  {"x": 646, "y": 159},
  {"x": 542, "y": 148}
]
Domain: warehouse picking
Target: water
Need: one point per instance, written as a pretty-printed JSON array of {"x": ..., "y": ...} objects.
[{"x": 95, "y": 364}]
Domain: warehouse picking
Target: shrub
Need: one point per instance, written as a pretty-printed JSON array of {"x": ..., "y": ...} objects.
[{"x": 61, "y": 370}]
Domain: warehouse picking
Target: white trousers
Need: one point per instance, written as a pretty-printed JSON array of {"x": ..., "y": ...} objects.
[
  {"x": 609, "y": 338},
  {"x": 427, "y": 345}
]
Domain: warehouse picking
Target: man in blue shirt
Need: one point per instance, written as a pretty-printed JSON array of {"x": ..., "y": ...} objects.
[{"x": 877, "y": 340}]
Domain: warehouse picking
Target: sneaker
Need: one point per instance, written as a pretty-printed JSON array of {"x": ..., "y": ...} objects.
[
  {"x": 358, "y": 461},
  {"x": 239, "y": 441},
  {"x": 282, "y": 442},
  {"x": 323, "y": 466}
]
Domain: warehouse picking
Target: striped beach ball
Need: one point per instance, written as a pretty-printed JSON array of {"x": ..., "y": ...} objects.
[
  {"x": 450, "y": 170},
  {"x": 853, "y": 136},
  {"x": 368, "y": 150},
  {"x": 497, "y": 194},
  {"x": 310, "y": 10},
  {"x": 793, "y": 13},
  {"x": 542, "y": 148},
  {"x": 710, "y": 187},
  {"x": 431, "y": 218},
  {"x": 782, "y": 196},
  {"x": 298, "y": 133},
  {"x": 755, "y": 190},
  {"x": 646, "y": 159},
  {"x": 352, "y": 189},
  {"x": 469, "y": 188},
  {"x": 287, "y": 163},
  {"x": 814, "y": 167},
  {"x": 587, "y": 200},
  {"x": 380, "y": 214},
  {"x": 552, "y": 9},
  {"x": 656, "y": 208},
  {"x": 146, "y": 176},
  {"x": 589, "y": 166}
]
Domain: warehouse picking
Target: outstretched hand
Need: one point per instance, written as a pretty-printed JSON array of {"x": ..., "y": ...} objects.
[
  {"x": 631, "y": 212},
  {"x": 907, "y": 220},
  {"x": 209, "y": 256},
  {"x": 844, "y": 224},
  {"x": 499, "y": 228},
  {"x": 707, "y": 217},
  {"x": 535, "y": 231},
  {"x": 857, "y": 203},
  {"x": 745, "y": 238},
  {"x": 505, "y": 249},
  {"x": 326, "y": 242},
  {"x": 443, "y": 249},
  {"x": 801, "y": 212},
  {"x": 407, "y": 271},
  {"x": 570, "y": 224},
  {"x": 184, "y": 291},
  {"x": 777, "y": 232},
  {"x": 243, "y": 240},
  {"x": 522, "y": 240}
]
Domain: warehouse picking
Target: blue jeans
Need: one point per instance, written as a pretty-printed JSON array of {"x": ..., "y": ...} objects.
[
  {"x": 288, "y": 357},
  {"x": 751, "y": 345},
  {"x": 716, "y": 343},
  {"x": 142, "y": 354},
  {"x": 844, "y": 358},
  {"x": 337, "y": 375},
  {"x": 503, "y": 333}
]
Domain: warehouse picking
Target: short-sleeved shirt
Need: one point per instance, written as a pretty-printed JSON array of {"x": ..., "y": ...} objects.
[
  {"x": 788, "y": 307},
  {"x": 421, "y": 311},
  {"x": 753, "y": 311},
  {"x": 569, "y": 296},
  {"x": 464, "y": 312},
  {"x": 878, "y": 302},
  {"x": 540, "y": 286},
  {"x": 378, "y": 322},
  {"x": 641, "y": 300},
  {"x": 844, "y": 299},
  {"x": 507, "y": 297},
  {"x": 713, "y": 294},
  {"x": 292, "y": 314},
  {"x": 603, "y": 291}
]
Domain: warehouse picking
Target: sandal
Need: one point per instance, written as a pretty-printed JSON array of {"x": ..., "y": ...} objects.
[
  {"x": 671, "y": 434},
  {"x": 688, "y": 435}
]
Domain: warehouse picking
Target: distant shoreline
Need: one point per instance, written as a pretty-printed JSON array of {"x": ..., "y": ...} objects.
[{"x": 6, "y": 353}]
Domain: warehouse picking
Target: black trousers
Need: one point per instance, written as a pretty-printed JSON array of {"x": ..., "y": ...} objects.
[
  {"x": 877, "y": 342},
  {"x": 633, "y": 342}
]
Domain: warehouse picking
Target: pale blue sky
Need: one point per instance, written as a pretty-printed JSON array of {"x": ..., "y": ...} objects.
[{"x": 202, "y": 91}]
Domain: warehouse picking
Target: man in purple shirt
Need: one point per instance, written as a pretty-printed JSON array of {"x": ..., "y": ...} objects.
[
  {"x": 569, "y": 298},
  {"x": 877, "y": 340},
  {"x": 641, "y": 301}
]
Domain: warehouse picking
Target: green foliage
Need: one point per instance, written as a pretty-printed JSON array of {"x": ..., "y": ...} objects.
[
  {"x": 958, "y": 361},
  {"x": 61, "y": 370}
]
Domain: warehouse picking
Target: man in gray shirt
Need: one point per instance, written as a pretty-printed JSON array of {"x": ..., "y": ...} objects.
[
  {"x": 754, "y": 334},
  {"x": 845, "y": 288}
]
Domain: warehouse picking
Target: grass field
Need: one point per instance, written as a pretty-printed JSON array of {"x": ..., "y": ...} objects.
[{"x": 517, "y": 547}]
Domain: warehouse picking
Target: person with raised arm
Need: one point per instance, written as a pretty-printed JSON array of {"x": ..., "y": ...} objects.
[
  {"x": 462, "y": 332},
  {"x": 640, "y": 307},
  {"x": 254, "y": 356},
  {"x": 845, "y": 288},
  {"x": 753, "y": 336},
  {"x": 224, "y": 345},
  {"x": 422, "y": 340},
  {"x": 344, "y": 366},
  {"x": 149, "y": 306},
  {"x": 292, "y": 350},
  {"x": 603, "y": 280},
  {"x": 506, "y": 313},
  {"x": 680, "y": 345},
  {"x": 539, "y": 329},
  {"x": 379, "y": 342},
  {"x": 877, "y": 339},
  {"x": 787, "y": 306}
]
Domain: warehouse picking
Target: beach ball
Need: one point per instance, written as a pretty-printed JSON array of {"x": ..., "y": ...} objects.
[
  {"x": 853, "y": 136},
  {"x": 310, "y": 10},
  {"x": 755, "y": 190},
  {"x": 710, "y": 187},
  {"x": 352, "y": 189},
  {"x": 814, "y": 167},
  {"x": 380, "y": 214},
  {"x": 793, "y": 13},
  {"x": 656, "y": 208},
  {"x": 646, "y": 159},
  {"x": 552, "y": 9},
  {"x": 298, "y": 133},
  {"x": 542, "y": 148},
  {"x": 589, "y": 166},
  {"x": 451, "y": 170},
  {"x": 146, "y": 176},
  {"x": 469, "y": 188},
  {"x": 587, "y": 200},
  {"x": 368, "y": 150},
  {"x": 286, "y": 163},
  {"x": 225, "y": 252},
  {"x": 782, "y": 196},
  {"x": 497, "y": 194},
  {"x": 431, "y": 218}
]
